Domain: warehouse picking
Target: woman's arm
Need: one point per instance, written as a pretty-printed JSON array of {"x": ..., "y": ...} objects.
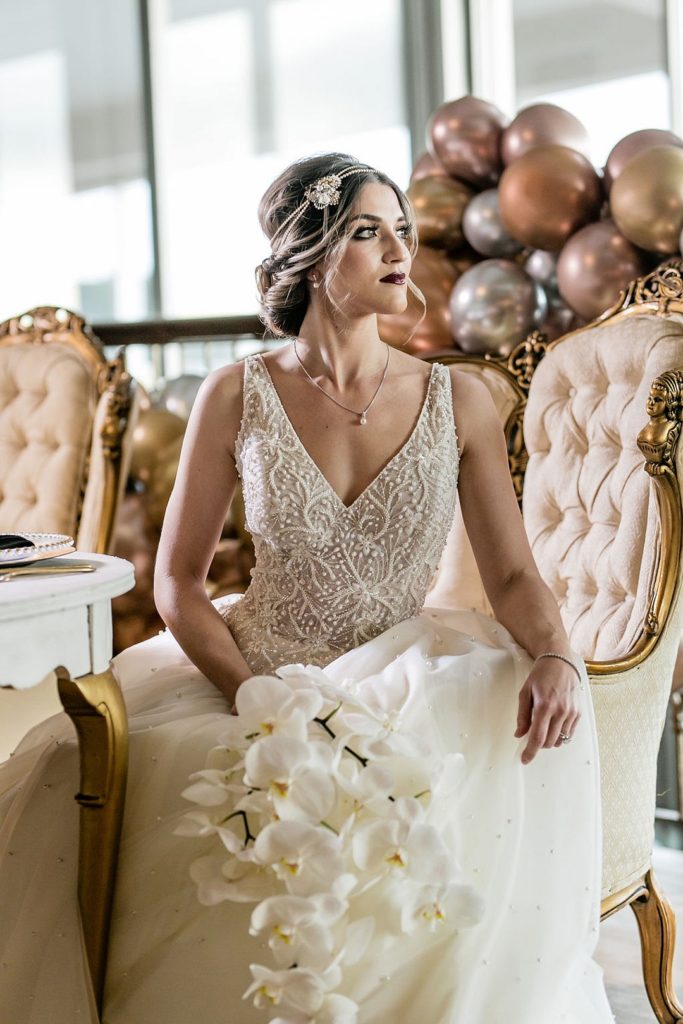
[
  {"x": 194, "y": 519},
  {"x": 520, "y": 599}
]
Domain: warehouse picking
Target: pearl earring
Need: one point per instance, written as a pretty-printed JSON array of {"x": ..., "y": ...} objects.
[{"x": 316, "y": 283}]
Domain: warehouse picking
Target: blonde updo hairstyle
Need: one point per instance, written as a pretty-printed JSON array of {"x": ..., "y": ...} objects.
[{"x": 299, "y": 243}]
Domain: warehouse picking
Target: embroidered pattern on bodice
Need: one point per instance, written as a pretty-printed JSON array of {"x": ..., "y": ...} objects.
[{"x": 329, "y": 577}]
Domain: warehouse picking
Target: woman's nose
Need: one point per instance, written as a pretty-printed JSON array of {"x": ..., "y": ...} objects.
[{"x": 396, "y": 250}]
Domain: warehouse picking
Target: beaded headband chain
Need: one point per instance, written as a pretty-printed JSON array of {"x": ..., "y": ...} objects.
[{"x": 324, "y": 192}]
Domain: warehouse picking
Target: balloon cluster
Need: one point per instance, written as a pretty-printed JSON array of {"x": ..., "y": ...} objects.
[
  {"x": 157, "y": 440},
  {"x": 519, "y": 231}
]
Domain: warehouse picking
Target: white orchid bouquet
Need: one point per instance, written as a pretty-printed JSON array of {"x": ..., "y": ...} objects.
[{"x": 316, "y": 798}]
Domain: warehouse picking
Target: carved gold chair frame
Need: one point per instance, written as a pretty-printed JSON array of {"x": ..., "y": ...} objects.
[
  {"x": 49, "y": 325},
  {"x": 659, "y": 293}
]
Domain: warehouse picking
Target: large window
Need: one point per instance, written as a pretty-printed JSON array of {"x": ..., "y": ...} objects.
[
  {"x": 604, "y": 60},
  {"x": 243, "y": 87},
  {"x": 74, "y": 193}
]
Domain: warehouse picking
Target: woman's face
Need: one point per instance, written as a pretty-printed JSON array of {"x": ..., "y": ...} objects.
[{"x": 373, "y": 271}]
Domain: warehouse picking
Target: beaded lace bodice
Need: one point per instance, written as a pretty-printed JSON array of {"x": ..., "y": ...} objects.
[{"x": 328, "y": 576}]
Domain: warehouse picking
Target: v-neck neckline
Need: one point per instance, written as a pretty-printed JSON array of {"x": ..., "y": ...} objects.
[{"x": 316, "y": 467}]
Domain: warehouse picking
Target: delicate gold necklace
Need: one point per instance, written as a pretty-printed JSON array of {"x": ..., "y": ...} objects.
[{"x": 364, "y": 413}]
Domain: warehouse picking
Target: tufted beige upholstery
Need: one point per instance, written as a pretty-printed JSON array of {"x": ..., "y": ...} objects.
[
  {"x": 47, "y": 405},
  {"x": 588, "y": 505},
  {"x": 595, "y": 521},
  {"x": 66, "y": 419}
]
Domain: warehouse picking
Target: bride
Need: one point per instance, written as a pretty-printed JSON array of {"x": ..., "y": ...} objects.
[{"x": 399, "y": 820}]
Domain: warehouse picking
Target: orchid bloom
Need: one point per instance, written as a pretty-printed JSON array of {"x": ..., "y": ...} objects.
[
  {"x": 218, "y": 879},
  {"x": 298, "y": 929},
  {"x": 403, "y": 845},
  {"x": 457, "y": 905},
  {"x": 295, "y": 774},
  {"x": 306, "y": 858},
  {"x": 299, "y": 988},
  {"x": 335, "y": 1009},
  {"x": 267, "y": 706}
]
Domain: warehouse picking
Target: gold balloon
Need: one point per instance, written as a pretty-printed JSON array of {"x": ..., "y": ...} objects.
[
  {"x": 548, "y": 194},
  {"x": 434, "y": 274},
  {"x": 464, "y": 135},
  {"x": 594, "y": 266},
  {"x": 540, "y": 124},
  {"x": 155, "y": 429},
  {"x": 631, "y": 145},
  {"x": 135, "y": 617},
  {"x": 439, "y": 203},
  {"x": 647, "y": 199},
  {"x": 178, "y": 395},
  {"x": 161, "y": 480}
]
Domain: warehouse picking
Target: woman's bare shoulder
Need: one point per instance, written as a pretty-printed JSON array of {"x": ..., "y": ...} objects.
[
  {"x": 467, "y": 387},
  {"x": 474, "y": 410},
  {"x": 219, "y": 403}
]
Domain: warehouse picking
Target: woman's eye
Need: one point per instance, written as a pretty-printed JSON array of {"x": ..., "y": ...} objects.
[{"x": 371, "y": 232}]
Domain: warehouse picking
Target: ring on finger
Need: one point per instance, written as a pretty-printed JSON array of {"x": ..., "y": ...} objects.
[{"x": 564, "y": 737}]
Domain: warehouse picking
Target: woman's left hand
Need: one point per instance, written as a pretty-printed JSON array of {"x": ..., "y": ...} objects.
[{"x": 547, "y": 707}]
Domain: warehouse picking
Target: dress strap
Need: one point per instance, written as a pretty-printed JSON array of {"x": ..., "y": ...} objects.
[{"x": 252, "y": 402}]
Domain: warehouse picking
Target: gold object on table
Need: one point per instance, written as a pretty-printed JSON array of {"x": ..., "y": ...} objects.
[{"x": 43, "y": 570}]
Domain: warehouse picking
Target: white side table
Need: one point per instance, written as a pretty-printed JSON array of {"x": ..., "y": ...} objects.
[{"x": 62, "y": 624}]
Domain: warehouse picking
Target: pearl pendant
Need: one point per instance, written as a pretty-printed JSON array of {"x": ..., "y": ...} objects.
[{"x": 363, "y": 419}]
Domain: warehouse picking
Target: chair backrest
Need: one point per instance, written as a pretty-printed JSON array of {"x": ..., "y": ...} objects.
[
  {"x": 594, "y": 521},
  {"x": 457, "y": 582},
  {"x": 66, "y": 419}
]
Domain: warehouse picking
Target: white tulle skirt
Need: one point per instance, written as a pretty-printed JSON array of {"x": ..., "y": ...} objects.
[{"x": 527, "y": 836}]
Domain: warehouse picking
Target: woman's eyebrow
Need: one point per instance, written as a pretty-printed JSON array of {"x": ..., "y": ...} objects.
[{"x": 372, "y": 216}]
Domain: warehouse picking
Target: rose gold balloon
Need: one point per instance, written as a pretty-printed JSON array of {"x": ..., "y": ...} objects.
[
  {"x": 439, "y": 203},
  {"x": 464, "y": 135},
  {"x": 154, "y": 430},
  {"x": 594, "y": 266},
  {"x": 541, "y": 124},
  {"x": 484, "y": 229},
  {"x": 631, "y": 145},
  {"x": 548, "y": 194},
  {"x": 434, "y": 274},
  {"x": 494, "y": 305},
  {"x": 647, "y": 199},
  {"x": 426, "y": 166}
]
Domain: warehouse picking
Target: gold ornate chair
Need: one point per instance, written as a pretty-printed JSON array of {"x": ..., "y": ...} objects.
[
  {"x": 66, "y": 420},
  {"x": 602, "y": 505}
]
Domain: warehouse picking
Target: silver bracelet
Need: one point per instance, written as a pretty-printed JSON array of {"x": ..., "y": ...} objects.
[{"x": 562, "y": 657}]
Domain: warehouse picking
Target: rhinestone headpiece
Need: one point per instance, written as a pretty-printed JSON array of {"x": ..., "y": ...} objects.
[{"x": 325, "y": 191}]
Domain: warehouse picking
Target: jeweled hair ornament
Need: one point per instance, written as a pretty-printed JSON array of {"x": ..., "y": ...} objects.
[{"x": 324, "y": 192}]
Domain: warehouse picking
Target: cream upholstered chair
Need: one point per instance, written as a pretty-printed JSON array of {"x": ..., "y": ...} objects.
[
  {"x": 603, "y": 510},
  {"x": 66, "y": 421}
]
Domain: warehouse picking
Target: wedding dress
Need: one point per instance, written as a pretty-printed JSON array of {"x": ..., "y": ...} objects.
[{"x": 338, "y": 591}]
